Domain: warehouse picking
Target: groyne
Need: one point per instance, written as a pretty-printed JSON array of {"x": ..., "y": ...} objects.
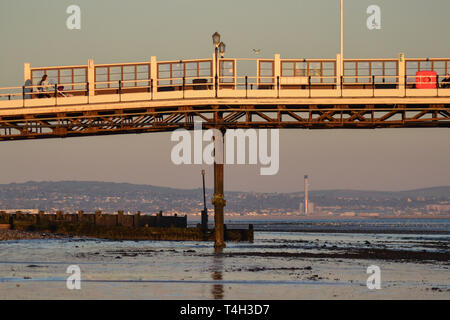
[{"x": 118, "y": 226}]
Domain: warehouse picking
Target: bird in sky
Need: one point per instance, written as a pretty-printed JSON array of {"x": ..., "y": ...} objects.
[{"x": 256, "y": 51}]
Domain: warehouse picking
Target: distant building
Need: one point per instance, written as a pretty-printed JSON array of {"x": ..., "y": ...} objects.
[
  {"x": 301, "y": 208},
  {"x": 310, "y": 211},
  {"x": 310, "y": 208},
  {"x": 307, "y": 207}
]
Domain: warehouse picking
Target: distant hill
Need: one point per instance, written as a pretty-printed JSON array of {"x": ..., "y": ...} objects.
[{"x": 108, "y": 196}]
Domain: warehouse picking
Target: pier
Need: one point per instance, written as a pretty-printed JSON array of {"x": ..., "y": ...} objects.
[{"x": 226, "y": 93}]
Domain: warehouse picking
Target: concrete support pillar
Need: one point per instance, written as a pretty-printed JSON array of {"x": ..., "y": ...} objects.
[
  {"x": 402, "y": 75},
  {"x": 219, "y": 199},
  {"x": 154, "y": 74},
  {"x": 219, "y": 204},
  {"x": 339, "y": 74},
  {"x": 91, "y": 77}
]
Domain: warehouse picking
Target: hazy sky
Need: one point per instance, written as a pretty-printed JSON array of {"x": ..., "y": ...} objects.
[{"x": 127, "y": 31}]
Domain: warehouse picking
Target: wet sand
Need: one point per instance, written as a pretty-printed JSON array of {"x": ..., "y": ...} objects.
[
  {"x": 276, "y": 266},
  {"x": 218, "y": 291},
  {"x": 354, "y": 253}
]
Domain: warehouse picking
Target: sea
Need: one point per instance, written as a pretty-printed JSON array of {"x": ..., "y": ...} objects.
[{"x": 289, "y": 259}]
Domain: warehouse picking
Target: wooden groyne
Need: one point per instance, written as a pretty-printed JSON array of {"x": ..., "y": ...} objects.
[{"x": 118, "y": 226}]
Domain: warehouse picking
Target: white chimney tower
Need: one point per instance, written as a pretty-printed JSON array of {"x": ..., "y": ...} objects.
[{"x": 306, "y": 194}]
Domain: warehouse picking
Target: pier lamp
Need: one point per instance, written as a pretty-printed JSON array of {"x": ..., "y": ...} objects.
[
  {"x": 222, "y": 49},
  {"x": 222, "y": 53},
  {"x": 216, "y": 39},
  {"x": 342, "y": 36},
  {"x": 217, "y": 44}
]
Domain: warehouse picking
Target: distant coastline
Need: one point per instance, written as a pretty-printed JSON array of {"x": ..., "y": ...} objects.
[{"x": 109, "y": 197}]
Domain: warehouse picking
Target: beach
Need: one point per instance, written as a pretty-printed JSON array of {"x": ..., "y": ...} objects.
[{"x": 278, "y": 265}]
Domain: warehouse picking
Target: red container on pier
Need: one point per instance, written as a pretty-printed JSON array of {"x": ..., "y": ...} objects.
[{"x": 426, "y": 79}]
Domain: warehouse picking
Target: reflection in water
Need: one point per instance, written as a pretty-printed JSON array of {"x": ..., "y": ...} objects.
[{"x": 217, "y": 290}]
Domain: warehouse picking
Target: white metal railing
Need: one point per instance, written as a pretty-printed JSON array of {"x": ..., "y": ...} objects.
[
  {"x": 43, "y": 91},
  {"x": 233, "y": 85}
]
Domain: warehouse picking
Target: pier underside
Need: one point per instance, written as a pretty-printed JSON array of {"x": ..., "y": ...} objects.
[{"x": 120, "y": 118}]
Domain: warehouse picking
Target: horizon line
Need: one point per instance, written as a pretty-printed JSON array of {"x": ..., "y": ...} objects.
[{"x": 186, "y": 189}]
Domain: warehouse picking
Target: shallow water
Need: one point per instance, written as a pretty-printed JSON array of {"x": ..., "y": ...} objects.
[
  {"x": 441, "y": 226},
  {"x": 31, "y": 269}
]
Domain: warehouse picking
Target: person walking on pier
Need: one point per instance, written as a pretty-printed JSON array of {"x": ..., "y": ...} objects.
[
  {"x": 44, "y": 85},
  {"x": 446, "y": 81}
]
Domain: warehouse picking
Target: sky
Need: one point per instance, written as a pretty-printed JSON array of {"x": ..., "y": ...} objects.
[{"x": 127, "y": 31}]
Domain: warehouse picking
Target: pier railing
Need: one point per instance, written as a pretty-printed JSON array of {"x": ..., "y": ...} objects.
[{"x": 202, "y": 78}]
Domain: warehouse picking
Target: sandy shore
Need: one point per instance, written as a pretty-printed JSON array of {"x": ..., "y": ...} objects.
[{"x": 275, "y": 266}]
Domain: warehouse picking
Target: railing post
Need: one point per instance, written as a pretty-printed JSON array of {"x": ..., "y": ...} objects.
[
  {"x": 184, "y": 83},
  {"x": 56, "y": 94},
  {"x": 216, "y": 69},
  {"x": 91, "y": 78},
  {"x": 373, "y": 86},
  {"x": 278, "y": 87},
  {"x": 405, "y": 86},
  {"x": 338, "y": 75},
  {"x": 26, "y": 72},
  {"x": 154, "y": 75},
  {"x": 246, "y": 86},
  {"x": 437, "y": 85},
  {"x": 402, "y": 80},
  {"x": 309, "y": 86},
  {"x": 277, "y": 70},
  {"x": 26, "y": 79},
  {"x": 120, "y": 90},
  {"x": 151, "y": 88},
  {"x": 216, "y": 83}
]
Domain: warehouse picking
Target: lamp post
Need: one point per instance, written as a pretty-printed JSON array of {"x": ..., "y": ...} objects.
[
  {"x": 216, "y": 43},
  {"x": 342, "y": 36},
  {"x": 205, "y": 209},
  {"x": 218, "y": 200},
  {"x": 219, "y": 47}
]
